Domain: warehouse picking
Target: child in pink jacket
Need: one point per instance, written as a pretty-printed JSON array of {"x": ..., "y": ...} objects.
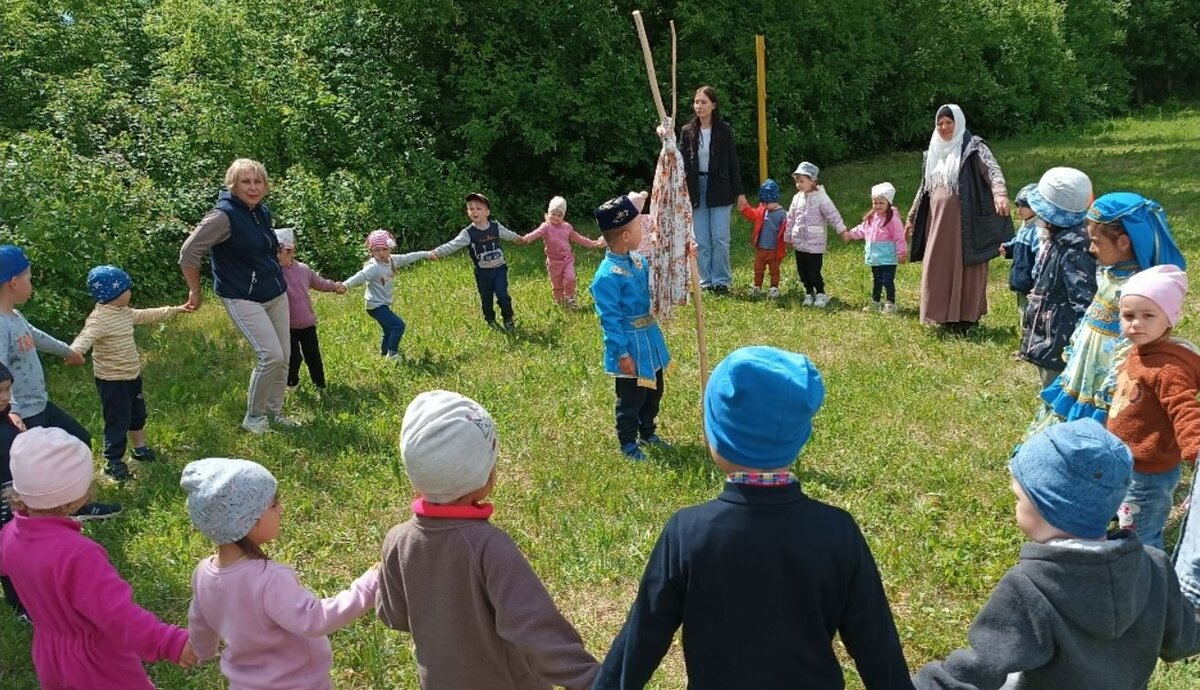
[
  {"x": 884, "y": 232},
  {"x": 88, "y": 634},
  {"x": 804, "y": 228},
  {"x": 303, "y": 320},
  {"x": 560, "y": 260},
  {"x": 274, "y": 629}
]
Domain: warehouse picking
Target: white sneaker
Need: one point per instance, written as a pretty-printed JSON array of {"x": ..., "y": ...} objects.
[
  {"x": 756, "y": 291},
  {"x": 773, "y": 294},
  {"x": 393, "y": 357},
  {"x": 889, "y": 307},
  {"x": 284, "y": 421},
  {"x": 821, "y": 300},
  {"x": 257, "y": 425},
  {"x": 873, "y": 306},
  {"x": 808, "y": 299}
]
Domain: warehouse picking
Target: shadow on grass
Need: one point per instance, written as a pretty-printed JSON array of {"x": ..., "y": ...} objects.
[
  {"x": 543, "y": 336},
  {"x": 680, "y": 456}
]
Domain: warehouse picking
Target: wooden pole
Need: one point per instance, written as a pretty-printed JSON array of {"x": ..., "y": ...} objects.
[{"x": 760, "y": 49}]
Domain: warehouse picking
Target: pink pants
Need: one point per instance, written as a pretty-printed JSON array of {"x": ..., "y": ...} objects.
[{"x": 562, "y": 277}]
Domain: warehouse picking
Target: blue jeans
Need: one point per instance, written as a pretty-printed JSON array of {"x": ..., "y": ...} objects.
[
  {"x": 1187, "y": 552},
  {"x": 712, "y": 240},
  {"x": 1147, "y": 504},
  {"x": 393, "y": 329}
]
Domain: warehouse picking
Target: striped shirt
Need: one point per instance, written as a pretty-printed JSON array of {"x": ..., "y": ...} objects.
[{"x": 109, "y": 329}]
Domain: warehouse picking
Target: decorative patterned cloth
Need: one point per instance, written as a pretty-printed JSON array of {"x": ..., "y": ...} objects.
[{"x": 671, "y": 229}]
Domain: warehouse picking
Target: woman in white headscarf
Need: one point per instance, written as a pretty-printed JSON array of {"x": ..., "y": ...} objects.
[{"x": 957, "y": 222}]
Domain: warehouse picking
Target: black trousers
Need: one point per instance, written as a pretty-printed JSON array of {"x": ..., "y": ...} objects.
[
  {"x": 124, "y": 411},
  {"x": 492, "y": 283},
  {"x": 883, "y": 278},
  {"x": 305, "y": 348},
  {"x": 809, "y": 267},
  {"x": 637, "y": 408},
  {"x": 54, "y": 416}
]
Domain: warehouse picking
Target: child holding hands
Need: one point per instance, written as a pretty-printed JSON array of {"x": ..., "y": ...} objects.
[
  {"x": 483, "y": 236},
  {"x": 88, "y": 632},
  {"x": 478, "y": 614},
  {"x": 810, "y": 211},
  {"x": 767, "y": 236},
  {"x": 379, "y": 273},
  {"x": 275, "y": 631},
  {"x": 884, "y": 234},
  {"x": 302, "y": 319},
  {"x": 558, "y": 235}
]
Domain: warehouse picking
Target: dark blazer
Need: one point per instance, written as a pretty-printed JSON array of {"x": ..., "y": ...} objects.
[{"x": 724, "y": 171}]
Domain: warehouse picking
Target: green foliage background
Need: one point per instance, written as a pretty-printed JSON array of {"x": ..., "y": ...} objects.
[{"x": 118, "y": 117}]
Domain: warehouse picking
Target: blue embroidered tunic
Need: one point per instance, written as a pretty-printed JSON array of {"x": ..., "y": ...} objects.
[{"x": 621, "y": 290}]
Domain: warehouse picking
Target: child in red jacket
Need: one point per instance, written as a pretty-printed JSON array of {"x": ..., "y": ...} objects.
[{"x": 767, "y": 237}]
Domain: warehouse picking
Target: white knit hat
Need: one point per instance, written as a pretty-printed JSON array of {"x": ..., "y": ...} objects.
[
  {"x": 883, "y": 190},
  {"x": 286, "y": 237},
  {"x": 50, "y": 468},
  {"x": 449, "y": 445},
  {"x": 227, "y": 496},
  {"x": 557, "y": 204}
]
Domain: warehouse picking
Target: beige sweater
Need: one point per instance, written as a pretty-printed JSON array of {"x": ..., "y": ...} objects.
[
  {"x": 109, "y": 329},
  {"x": 478, "y": 614}
]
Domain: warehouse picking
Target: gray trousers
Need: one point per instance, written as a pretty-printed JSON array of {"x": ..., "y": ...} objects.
[{"x": 266, "y": 327}]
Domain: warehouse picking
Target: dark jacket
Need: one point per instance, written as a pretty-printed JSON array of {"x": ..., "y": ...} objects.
[
  {"x": 724, "y": 171},
  {"x": 1063, "y": 287},
  {"x": 761, "y": 580},
  {"x": 1070, "y": 616},
  {"x": 1022, "y": 250},
  {"x": 246, "y": 265},
  {"x": 983, "y": 231}
]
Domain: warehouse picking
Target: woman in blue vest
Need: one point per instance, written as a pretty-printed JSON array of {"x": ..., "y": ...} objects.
[{"x": 249, "y": 281}]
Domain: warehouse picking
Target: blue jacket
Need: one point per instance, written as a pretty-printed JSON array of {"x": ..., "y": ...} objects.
[
  {"x": 246, "y": 265},
  {"x": 1022, "y": 251},
  {"x": 621, "y": 289},
  {"x": 1064, "y": 284}
]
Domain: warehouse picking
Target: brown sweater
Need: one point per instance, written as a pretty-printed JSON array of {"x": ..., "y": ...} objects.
[
  {"x": 478, "y": 614},
  {"x": 1154, "y": 410}
]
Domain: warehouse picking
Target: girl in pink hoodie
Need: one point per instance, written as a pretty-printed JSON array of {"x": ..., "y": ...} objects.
[
  {"x": 275, "y": 630},
  {"x": 558, "y": 235},
  {"x": 88, "y": 634},
  {"x": 884, "y": 233}
]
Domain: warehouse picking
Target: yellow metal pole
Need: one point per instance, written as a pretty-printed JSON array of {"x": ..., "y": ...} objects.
[{"x": 760, "y": 48}]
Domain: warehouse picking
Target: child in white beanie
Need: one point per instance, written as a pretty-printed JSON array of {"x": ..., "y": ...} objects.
[
  {"x": 302, "y": 319},
  {"x": 88, "y": 632},
  {"x": 478, "y": 614},
  {"x": 883, "y": 231},
  {"x": 558, "y": 234},
  {"x": 275, "y": 630}
]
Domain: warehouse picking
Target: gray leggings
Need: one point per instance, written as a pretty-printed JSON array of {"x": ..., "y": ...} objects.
[{"x": 266, "y": 327}]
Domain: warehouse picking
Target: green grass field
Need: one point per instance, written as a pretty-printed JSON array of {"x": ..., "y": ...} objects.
[{"x": 913, "y": 438}]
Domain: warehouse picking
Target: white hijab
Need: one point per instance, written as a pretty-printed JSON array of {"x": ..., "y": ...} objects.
[{"x": 944, "y": 158}]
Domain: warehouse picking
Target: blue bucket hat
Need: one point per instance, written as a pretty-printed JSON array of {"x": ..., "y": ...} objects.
[
  {"x": 759, "y": 405},
  {"x": 1061, "y": 197},
  {"x": 1076, "y": 473},
  {"x": 1146, "y": 224},
  {"x": 768, "y": 193},
  {"x": 106, "y": 283},
  {"x": 13, "y": 262}
]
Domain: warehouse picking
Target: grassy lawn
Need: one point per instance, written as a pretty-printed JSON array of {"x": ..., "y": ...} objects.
[{"x": 913, "y": 439}]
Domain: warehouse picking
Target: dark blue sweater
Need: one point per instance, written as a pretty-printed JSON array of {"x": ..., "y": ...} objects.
[
  {"x": 246, "y": 265},
  {"x": 761, "y": 580}
]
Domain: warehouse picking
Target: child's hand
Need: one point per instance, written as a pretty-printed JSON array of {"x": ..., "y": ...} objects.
[
  {"x": 626, "y": 365},
  {"x": 74, "y": 359},
  {"x": 1003, "y": 252},
  {"x": 339, "y": 288},
  {"x": 187, "y": 658},
  {"x": 16, "y": 421},
  {"x": 433, "y": 256},
  {"x": 845, "y": 235},
  {"x": 185, "y": 309},
  {"x": 903, "y": 258}
]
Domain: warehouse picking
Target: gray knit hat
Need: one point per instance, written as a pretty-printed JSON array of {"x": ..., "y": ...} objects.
[
  {"x": 227, "y": 496},
  {"x": 449, "y": 445}
]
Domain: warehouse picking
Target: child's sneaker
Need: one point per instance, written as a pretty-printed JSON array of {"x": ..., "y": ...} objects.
[
  {"x": 889, "y": 307},
  {"x": 144, "y": 454},
  {"x": 119, "y": 472},
  {"x": 756, "y": 291},
  {"x": 510, "y": 325},
  {"x": 97, "y": 511},
  {"x": 631, "y": 451},
  {"x": 285, "y": 421},
  {"x": 808, "y": 299},
  {"x": 393, "y": 357},
  {"x": 655, "y": 441},
  {"x": 821, "y": 300},
  {"x": 257, "y": 425},
  {"x": 873, "y": 306},
  {"x": 773, "y": 294},
  {"x": 571, "y": 304}
]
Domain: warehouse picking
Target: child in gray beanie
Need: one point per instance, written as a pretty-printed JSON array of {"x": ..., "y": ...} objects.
[
  {"x": 478, "y": 614},
  {"x": 1081, "y": 609},
  {"x": 275, "y": 630}
]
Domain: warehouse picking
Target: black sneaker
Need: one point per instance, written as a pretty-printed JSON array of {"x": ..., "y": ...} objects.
[
  {"x": 145, "y": 454},
  {"x": 119, "y": 473},
  {"x": 97, "y": 511}
]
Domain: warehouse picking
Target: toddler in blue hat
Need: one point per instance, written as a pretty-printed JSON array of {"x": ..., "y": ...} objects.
[
  {"x": 767, "y": 236},
  {"x": 117, "y": 365},
  {"x": 761, "y": 577},
  {"x": 1082, "y": 608}
]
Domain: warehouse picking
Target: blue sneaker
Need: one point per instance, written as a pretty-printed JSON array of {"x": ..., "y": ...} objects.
[
  {"x": 631, "y": 451},
  {"x": 655, "y": 441}
]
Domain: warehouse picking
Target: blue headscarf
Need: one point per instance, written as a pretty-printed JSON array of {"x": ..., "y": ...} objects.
[{"x": 1146, "y": 224}]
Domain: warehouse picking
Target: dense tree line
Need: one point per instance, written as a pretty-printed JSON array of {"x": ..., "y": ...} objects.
[{"x": 117, "y": 117}]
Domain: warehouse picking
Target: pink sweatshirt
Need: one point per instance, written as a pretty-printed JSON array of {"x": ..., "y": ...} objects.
[
  {"x": 558, "y": 238},
  {"x": 274, "y": 629},
  {"x": 300, "y": 278},
  {"x": 88, "y": 634}
]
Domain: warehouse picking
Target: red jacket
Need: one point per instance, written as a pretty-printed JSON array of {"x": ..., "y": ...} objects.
[{"x": 756, "y": 215}]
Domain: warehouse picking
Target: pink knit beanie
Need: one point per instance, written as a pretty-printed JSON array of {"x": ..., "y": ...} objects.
[
  {"x": 380, "y": 239},
  {"x": 1165, "y": 285},
  {"x": 50, "y": 468}
]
